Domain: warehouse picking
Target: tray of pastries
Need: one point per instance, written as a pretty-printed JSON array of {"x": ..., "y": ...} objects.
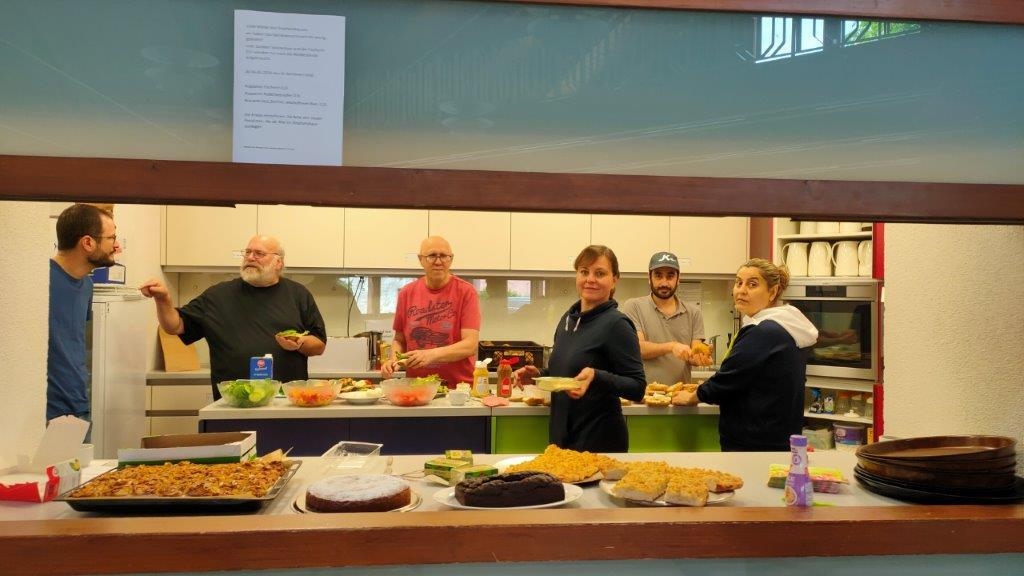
[{"x": 183, "y": 487}]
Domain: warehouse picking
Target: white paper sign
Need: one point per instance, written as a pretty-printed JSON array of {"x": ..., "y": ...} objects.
[{"x": 289, "y": 88}]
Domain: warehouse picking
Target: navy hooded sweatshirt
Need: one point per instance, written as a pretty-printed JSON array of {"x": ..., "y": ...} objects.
[{"x": 604, "y": 339}]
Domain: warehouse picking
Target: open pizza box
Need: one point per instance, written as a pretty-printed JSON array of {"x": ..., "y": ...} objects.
[
  {"x": 202, "y": 448},
  {"x": 53, "y": 470}
]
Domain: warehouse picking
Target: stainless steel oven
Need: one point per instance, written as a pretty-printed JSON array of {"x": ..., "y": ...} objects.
[{"x": 845, "y": 311}]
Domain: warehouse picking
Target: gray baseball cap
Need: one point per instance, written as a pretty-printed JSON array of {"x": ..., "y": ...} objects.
[{"x": 664, "y": 260}]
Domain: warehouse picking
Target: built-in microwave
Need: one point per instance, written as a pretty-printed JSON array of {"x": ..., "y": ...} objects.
[{"x": 846, "y": 313}]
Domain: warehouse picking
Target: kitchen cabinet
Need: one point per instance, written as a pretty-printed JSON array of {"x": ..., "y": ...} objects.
[
  {"x": 377, "y": 238},
  {"x": 313, "y": 237},
  {"x": 547, "y": 242},
  {"x": 206, "y": 235},
  {"x": 479, "y": 240},
  {"x": 633, "y": 238},
  {"x": 709, "y": 245},
  {"x": 173, "y": 405}
]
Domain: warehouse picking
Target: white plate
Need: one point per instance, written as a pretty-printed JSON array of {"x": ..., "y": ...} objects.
[
  {"x": 713, "y": 497},
  {"x": 556, "y": 383},
  {"x": 359, "y": 397},
  {"x": 300, "y": 505},
  {"x": 506, "y": 462},
  {"x": 446, "y": 496},
  {"x": 501, "y": 465}
]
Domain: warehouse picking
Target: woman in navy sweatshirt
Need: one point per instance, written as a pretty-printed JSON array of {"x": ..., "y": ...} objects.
[
  {"x": 760, "y": 387},
  {"x": 597, "y": 345}
]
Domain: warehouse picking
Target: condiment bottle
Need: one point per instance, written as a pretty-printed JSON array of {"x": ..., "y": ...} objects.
[
  {"x": 481, "y": 380},
  {"x": 504, "y": 379},
  {"x": 799, "y": 487}
]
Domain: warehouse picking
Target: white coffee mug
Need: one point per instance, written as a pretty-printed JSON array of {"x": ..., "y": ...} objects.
[
  {"x": 828, "y": 228},
  {"x": 794, "y": 255},
  {"x": 819, "y": 260},
  {"x": 808, "y": 227},
  {"x": 844, "y": 255},
  {"x": 864, "y": 255},
  {"x": 849, "y": 227},
  {"x": 457, "y": 397}
]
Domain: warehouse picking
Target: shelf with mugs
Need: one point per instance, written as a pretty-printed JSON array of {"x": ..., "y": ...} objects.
[{"x": 864, "y": 235}]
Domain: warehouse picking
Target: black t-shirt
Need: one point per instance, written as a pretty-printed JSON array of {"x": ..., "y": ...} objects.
[{"x": 239, "y": 321}]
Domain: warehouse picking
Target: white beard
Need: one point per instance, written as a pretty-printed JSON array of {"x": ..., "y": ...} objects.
[{"x": 258, "y": 276}]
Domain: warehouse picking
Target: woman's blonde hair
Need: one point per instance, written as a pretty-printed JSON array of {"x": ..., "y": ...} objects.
[{"x": 774, "y": 275}]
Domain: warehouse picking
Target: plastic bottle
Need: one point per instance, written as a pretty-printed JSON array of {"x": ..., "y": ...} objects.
[
  {"x": 504, "y": 379},
  {"x": 481, "y": 380},
  {"x": 799, "y": 488}
]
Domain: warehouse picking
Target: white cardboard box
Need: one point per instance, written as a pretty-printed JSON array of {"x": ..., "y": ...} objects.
[
  {"x": 342, "y": 355},
  {"x": 204, "y": 448},
  {"x": 53, "y": 470}
]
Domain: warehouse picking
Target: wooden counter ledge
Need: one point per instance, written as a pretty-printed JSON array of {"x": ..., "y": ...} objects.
[{"x": 181, "y": 544}]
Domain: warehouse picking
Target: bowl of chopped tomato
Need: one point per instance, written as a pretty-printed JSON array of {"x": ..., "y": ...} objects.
[
  {"x": 409, "y": 391},
  {"x": 311, "y": 393}
]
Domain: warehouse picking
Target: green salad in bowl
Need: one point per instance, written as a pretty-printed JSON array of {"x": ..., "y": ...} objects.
[{"x": 248, "y": 393}]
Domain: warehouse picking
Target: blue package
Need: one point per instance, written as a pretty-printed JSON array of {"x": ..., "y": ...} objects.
[{"x": 261, "y": 367}]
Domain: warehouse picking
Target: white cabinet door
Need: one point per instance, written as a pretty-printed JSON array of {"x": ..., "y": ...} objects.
[
  {"x": 710, "y": 245},
  {"x": 480, "y": 240},
  {"x": 383, "y": 238},
  {"x": 206, "y": 235},
  {"x": 313, "y": 237},
  {"x": 633, "y": 238},
  {"x": 547, "y": 241}
]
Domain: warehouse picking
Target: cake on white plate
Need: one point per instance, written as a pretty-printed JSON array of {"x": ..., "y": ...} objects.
[{"x": 358, "y": 493}]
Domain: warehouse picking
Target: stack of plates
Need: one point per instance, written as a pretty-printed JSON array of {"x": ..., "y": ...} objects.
[{"x": 942, "y": 469}]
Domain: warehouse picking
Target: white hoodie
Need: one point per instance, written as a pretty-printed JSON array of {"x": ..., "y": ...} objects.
[{"x": 791, "y": 319}]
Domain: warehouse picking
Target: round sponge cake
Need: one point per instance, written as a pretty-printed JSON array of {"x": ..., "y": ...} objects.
[{"x": 358, "y": 493}]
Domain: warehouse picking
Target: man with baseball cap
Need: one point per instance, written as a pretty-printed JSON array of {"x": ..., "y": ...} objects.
[{"x": 667, "y": 327}]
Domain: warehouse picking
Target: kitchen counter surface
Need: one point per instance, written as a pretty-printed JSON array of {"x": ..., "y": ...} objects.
[
  {"x": 752, "y": 524},
  {"x": 439, "y": 407}
]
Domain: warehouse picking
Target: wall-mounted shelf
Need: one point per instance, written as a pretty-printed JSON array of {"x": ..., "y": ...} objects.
[{"x": 838, "y": 418}]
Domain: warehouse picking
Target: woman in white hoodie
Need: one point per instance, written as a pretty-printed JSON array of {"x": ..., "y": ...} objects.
[{"x": 760, "y": 387}]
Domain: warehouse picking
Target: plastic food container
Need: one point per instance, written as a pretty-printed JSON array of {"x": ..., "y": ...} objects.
[
  {"x": 405, "y": 392},
  {"x": 311, "y": 393},
  {"x": 248, "y": 393},
  {"x": 849, "y": 436},
  {"x": 349, "y": 454}
]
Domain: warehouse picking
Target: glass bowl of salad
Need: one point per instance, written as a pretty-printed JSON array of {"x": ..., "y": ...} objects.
[
  {"x": 410, "y": 391},
  {"x": 311, "y": 393},
  {"x": 248, "y": 393}
]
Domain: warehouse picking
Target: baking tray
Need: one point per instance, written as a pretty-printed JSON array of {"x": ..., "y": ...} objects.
[
  {"x": 942, "y": 448},
  {"x": 910, "y": 493},
  {"x": 178, "y": 504}
]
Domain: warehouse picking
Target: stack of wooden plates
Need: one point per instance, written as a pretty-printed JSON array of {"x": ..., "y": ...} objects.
[{"x": 942, "y": 469}]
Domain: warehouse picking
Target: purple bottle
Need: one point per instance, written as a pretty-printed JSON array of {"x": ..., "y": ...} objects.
[{"x": 799, "y": 488}]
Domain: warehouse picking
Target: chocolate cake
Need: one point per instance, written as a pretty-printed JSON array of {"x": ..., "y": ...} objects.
[
  {"x": 358, "y": 493},
  {"x": 510, "y": 489}
]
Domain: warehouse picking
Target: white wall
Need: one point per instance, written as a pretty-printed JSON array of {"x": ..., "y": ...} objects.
[
  {"x": 954, "y": 330},
  {"x": 25, "y": 234}
]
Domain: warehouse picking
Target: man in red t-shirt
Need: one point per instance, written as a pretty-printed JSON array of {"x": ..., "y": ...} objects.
[{"x": 437, "y": 320}]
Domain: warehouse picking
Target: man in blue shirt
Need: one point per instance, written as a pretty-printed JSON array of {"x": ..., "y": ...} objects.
[{"x": 86, "y": 239}]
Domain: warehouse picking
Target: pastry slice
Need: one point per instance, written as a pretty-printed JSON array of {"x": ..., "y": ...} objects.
[
  {"x": 686, "y": 490},
  {"x": 642, "y": 485}
]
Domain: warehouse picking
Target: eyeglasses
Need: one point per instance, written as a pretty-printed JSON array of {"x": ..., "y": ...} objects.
[
  {"x": 258, "y": 254},
  {"x": 111, "y": 238},
  {"x": 437, "y": 257}
]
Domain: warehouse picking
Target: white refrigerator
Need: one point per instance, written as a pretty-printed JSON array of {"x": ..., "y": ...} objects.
[{"x": 121, "y": 328}]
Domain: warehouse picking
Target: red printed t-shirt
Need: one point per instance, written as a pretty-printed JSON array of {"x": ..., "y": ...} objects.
[{"x": 434, "y": 318}]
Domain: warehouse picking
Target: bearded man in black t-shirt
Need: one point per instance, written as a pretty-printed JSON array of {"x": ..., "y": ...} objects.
[{"x": 242, "y": 318}]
